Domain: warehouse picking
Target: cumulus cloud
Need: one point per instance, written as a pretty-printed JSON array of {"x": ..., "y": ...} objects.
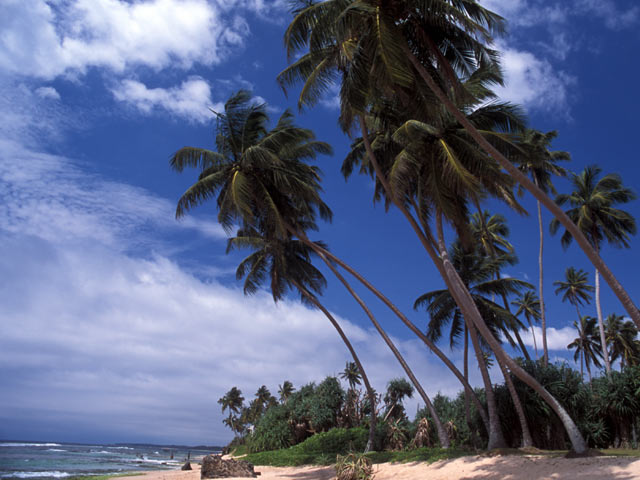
[
  {"x": 557, "y": 338},
  {"x": 46, "y": 40},
  {"x": 190, "y": 100},
  {"x": 533, "y": 82}
]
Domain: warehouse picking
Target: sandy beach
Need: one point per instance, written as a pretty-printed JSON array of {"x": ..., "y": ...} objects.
[{"x": 509, "y": 467}]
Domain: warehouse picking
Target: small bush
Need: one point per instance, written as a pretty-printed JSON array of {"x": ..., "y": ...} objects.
[{"x": 353, "y": 467}]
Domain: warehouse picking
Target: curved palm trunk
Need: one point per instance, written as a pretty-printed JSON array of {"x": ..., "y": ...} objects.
[
  {"x": 527, "y": 441},
  {"x": 603, "y": 337},
  {"x": 496, "y": 438},
  {"x": 521, "y": 178},
  {"x": 443, "y": 437},
  {"x": 543, "y": 315},
  {"x": 365, "y": 379},
  {"x": 522, "y": 345}
]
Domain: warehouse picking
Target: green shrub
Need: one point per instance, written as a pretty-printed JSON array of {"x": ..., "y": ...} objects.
[
  {"x": 273, "y": 431},
  {"x": 353, "y": 467}
]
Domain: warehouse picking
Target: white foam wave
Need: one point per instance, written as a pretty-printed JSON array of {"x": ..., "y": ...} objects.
[
  {"x": 121, "y": 448},
  {"x": 13, "y": 444},
  {"x": 55, "y": 474},
  {"x": 102, "y": 452},
  {"x": 55, "y": 450}
]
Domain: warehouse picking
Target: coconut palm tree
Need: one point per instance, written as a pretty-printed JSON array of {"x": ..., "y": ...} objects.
[
  {"x": 540, "y": 163},
  {"x": 592, "y": 208},
  {"x": 232, "y": 401},
  {"x": 365, "y": 47},
  {"x": 397, "y": 390},
  {"x": 351, "y": 374},
  {"x": 574, "y": 288},
  {"x": 622, "y": 340},
  {"x": 285, "y": 390},
  {"x": 261, "y": 181},
  {"x": 586, "y": 345},
  {"x": 490, "y": 233},
  {"x": 374, "y": 48},
  {"x": 529, "y": 305}
]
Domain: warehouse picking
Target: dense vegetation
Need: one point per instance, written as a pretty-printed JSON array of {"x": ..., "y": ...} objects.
[{"x": 416, "y": 97}]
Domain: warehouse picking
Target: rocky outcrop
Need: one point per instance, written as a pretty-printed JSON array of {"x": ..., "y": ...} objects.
[
  {"x": 214, "y": 466},
  {"x": 187, "y": 466}
]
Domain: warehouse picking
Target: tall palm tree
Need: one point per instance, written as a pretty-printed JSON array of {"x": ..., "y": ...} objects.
[
  {"x": 285, "y": 390},
  {"x": 365, "y": 46},
  {"x": 232, "y": 401},
  {"x": 261, "y": 180},
  {"x": 592, "y": 208},
  {"x": 529, "y": 305},
  {"x": 586, "y": 344},
  {"x": 622, "y": 340},
  {"x": 540, "y": 163},
  {"x": 397, "y": 390},
  {"x": 478, "y": 273},
  {"x": 574, "y": 288}
]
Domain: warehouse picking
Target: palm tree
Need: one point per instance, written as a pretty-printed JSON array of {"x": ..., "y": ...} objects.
[
  {"x": 593, "y": 210},
  {"x": 574, "y": 288},
  {"x": 285, "y": 390},
  {"x": 366, "y": 46},
  {"x": 351, "y": 374},
  {"x": 490, "y": 233},
  {"x": 397, "y": 390},
  {"x": 260, "y": 179},
  {"x": 622, "y": 340},
  {"x": 540, "y": 164},
  {"x": 478, "y": 273},
  {"x": 586, "y": 344},
  {"x": 232, "y": 401},
  {"x": 529, "y": 304}
]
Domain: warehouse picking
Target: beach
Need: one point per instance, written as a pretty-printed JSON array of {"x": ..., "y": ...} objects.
[{"x": 508, "y": 467}]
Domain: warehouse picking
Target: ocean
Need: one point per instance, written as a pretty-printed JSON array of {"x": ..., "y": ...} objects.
[{"x": 40, "y": 461}]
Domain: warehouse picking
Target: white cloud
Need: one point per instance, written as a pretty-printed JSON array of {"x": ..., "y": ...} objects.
[
  {"x": 533, "y": 82},
  {"x": 47, "y": 92},
  {"x": 190, "y": 100},
  {"x": 46, "y": 40},
  {"x": 57, "y": 201},
  {"x": 557, "y": 338}
]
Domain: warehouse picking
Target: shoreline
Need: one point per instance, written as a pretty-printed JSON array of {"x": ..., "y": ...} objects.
[{"x": 503, "y": 467}]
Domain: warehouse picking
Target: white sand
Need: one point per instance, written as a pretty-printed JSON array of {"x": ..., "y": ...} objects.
[{"x": 508, "y": 467}]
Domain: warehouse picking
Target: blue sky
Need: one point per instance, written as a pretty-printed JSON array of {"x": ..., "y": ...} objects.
[{"x": 118, "y": 323}]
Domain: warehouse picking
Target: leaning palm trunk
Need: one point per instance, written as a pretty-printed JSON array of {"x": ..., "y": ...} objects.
[
  {"x": 527, "y": 441},
  {"x": 603, "y": 337},
  {"x": 442, "y": 433},
  {"x": 496, "y": 438},
  {"x": 521, "y": 178},
  {"x": 463, "y": 378},
  {"x": 370, "y": 393},
  {"x": 533, "y": 335}
]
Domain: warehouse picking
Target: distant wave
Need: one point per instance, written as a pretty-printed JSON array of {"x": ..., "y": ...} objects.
[
  {"x": 11, "y": 444},
  {"x": 122, "y": 448},
  {"x": 55, "y": 450},
  {"x": 55, "y": 474},
  {"x": 102, "y": 451}
]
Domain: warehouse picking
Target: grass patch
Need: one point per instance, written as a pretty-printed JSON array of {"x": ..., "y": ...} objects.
[
  {"x": 621, "y": 452},
  {"x": 424, "y": 454},
  {"x": 239, "y": 450}
]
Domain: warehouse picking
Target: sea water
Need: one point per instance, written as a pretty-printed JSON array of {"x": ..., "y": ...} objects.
[{"x": 39, "y": 461}]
